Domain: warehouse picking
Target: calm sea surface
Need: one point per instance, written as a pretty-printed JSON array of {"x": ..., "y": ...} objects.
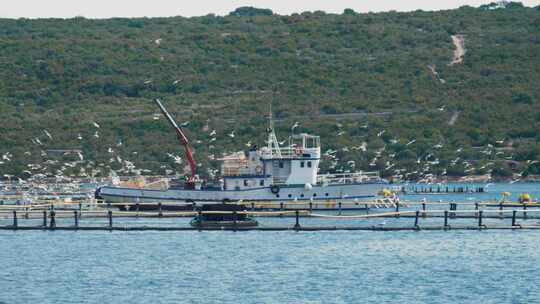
[{"x": 273, "y": 267}]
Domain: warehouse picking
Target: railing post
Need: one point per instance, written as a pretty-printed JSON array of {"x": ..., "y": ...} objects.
[
  {"x": 137, "y": 208},
  {"x": 397, "y": 209},
  {"x": 339, "y": 208},
  {"x": 297, "y": 224},
  {"x": 480, "y": 214},
  {"x": 514, "y": 212},
  {"x": 252, "y": 206},
  {"x": 160, "y": 212},
  {"x": 110, "y": 219},
  {"x": 44, "y": 218},
  {"x": 76, "y": 217},
  {"x": 416, "y": 218},
  {"x": 445, "y": 218},
  {"x": 281, "y": 206},
  {"x": 423, "y": 209},
  {"x": 235, "y": 219},
  {"x": 53, "y": 221},
  {"x": 15, "y": 224},
  {"x": 476, "y": 207}
]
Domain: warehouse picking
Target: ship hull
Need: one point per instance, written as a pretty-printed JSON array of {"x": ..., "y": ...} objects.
[{"x": 318, "y": 197}]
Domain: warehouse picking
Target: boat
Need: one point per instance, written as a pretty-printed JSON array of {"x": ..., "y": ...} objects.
[
  {"x": 223, "y": 216},
  {"x": 273, "y": 173}
]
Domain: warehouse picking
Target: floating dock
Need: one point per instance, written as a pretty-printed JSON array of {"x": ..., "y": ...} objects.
[{"x": 510, "y": 216}]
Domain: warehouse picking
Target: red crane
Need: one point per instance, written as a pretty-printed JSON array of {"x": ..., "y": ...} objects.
[{"x": 184, "y": 141}]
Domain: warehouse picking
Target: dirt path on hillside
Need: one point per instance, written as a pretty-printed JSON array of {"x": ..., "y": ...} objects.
[{"x": 459, "y": 52}]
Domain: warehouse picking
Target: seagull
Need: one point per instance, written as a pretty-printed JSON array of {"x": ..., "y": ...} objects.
[
  {"x": 149, "y": 81},
  {"x": 248, "y": 144},
  {"x": 79, "y": 137},
  {"x": 231, "y": 135},
  {"x": 411, "y": 142},
  {"x": 110, "y": 150},
  {"x": 381, "y": 133},
  {"x": 47, "y": 133},
  {"x": 96, "y": 124},
  {"x": 158, "y": 41},
  {"x": 81, "y": 157},
  {"x": 119, "y": 144},
  {"x": 441, "y": 108},
  {"x": 340, "y": 133},
  {"x": 184, "y": 124},
  {"x": 212, "y": 139},
  {"x": 96, "y": 135},
  {"x": 296, "y": 124},
  {"x": 213, "y": 133},
  {"x": 38, "y": 141},
  {"x": 176, "y": 82}
]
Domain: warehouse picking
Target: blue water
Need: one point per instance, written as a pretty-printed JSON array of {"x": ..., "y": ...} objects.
[{"x": 271, "y": 267}]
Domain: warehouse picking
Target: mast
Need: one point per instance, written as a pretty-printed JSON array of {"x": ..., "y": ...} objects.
[
  {"x": 183, "y": 140},
  {"x": 273, "y": 144}
]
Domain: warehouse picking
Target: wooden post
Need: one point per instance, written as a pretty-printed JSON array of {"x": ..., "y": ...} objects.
[
  {"x": 76, "y": 217},
  {"x": 480, "y": 213},
  {"x": 110, "y": 218},
  {"x": 514, "y": 217},
  {"x": 44, "y": 218},
  {"x": 53, "y": 221},
  {"x": 445, "y": 218},
  {"x": 160, "y": 212},
  {"x": 15, "y": 219},
  {"x": 416, "y": 218},
  {"x": 297, "y": 224},
  {"x": 339, "y": 208}
]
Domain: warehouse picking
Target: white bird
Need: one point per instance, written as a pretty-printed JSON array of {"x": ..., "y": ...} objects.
[
  {"x": 411, "y": 142},
  {"x": 81, "y": 157},
  {"x": 381, "y": 133},
  {"x": 340, "y": 133},
  {"x": 231, "y": 135},
  {"x": 296, "y": 124},
  {"x": 38, "y": 141},
  {"x": 248, "y": 144},
  {"x": 184, "y": 124},
  {"x": 213, "y": 133},
  {"x": 96, "y": 135},
  {"x": 79, "y": 137},
  {"x": 48, "y": 134},
  {"x": 212, "y": 139},
  {"x": 158, "y": 41},
  {"x": 176, "y": 82},
  {"x": 96, "y": 124},
  {"x": 149, "y": 81},
  {"x": 119, "y": 144},
  {"x": 441, "y": 108},
  {"x": 110, "y": 150}
]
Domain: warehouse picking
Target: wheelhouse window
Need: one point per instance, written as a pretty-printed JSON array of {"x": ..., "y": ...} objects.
[
  {"x": 261, "y": 182},
  {"x": 301, "y": 164},
  {"x": 309, "y": 164},
  {"x": 281, "y": 165},
  {"x": 245, "y": 182}
]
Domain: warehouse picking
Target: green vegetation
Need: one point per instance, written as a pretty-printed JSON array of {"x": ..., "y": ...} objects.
[{"x": 383, "y": 79}]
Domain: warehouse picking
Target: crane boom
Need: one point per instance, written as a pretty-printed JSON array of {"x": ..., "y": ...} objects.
[{"x": 183, "y": 140}]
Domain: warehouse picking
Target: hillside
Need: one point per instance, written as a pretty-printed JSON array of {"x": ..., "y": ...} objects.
[{"x": 385, "y": 91}]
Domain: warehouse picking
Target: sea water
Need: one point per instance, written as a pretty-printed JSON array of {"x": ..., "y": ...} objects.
[{"x": 271, "y": 267}]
